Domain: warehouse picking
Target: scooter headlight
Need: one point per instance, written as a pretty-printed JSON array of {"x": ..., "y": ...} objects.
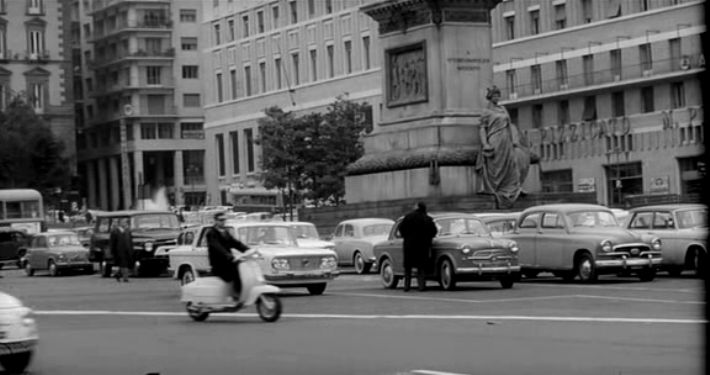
[
  {"x": 280, "y": 264},
  {"x": 606, "y": 246},
  {"x": 328, "y": 263}
]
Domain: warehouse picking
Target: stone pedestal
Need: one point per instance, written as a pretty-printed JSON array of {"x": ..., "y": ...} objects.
[{"x": 435, "y": 74}]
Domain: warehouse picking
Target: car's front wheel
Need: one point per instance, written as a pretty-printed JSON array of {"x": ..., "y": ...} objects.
[
  {"x": 361, "y": 266},
  {"x": 16, "y": 363},
  {"x": 447, "y": 275},
  {"x": 389, "y": 280},
  {"x": 508, "y": 281},
  {"x": 187, "y": 277},
  {"x": 585, "y": 269},
  {"x": 28, "y": 269},
  {"x": 316, "y": 289},
  {"x": 52, "y": 267}
]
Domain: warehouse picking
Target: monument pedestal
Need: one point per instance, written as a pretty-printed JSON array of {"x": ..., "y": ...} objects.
[{"x": 436, "y": 70}]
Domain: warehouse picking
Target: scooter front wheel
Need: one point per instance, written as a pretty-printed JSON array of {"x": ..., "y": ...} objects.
[
  {"x": 195, "y": 313},
  {"x": 269, "y": 307}
]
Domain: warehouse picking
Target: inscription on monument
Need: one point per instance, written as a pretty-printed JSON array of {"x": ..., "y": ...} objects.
[
  {"x": 467, "y": 63},
  {"x": 407, "y": 75}
]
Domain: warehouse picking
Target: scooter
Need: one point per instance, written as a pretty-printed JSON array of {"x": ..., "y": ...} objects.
[{"x": 211, "y": 294}]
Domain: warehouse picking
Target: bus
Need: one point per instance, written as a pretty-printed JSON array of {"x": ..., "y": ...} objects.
[{"x": 22, "y": 209}]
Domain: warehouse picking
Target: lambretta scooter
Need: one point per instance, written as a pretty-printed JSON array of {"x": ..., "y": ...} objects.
[{"x": 211, "y": 294}]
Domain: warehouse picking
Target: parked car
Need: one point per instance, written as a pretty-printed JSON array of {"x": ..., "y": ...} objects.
[
  {"x": 284, "y": 264},
  {"x": 355, "y": 238},
  {"x": 12, "y": 240},
  {"x": 150, "y": 229},
  {"x": 463, "y": 250},
  {"x": 582, "y": 240},
  {"x": 18, "y": 334},
  {"x": 499, "y": 223},
  {"x": 84, "y": 234},
  {"x": 307, "y": 235},
  {"x": 56, "y": 252},
  {"x": 683, "y": 228}
]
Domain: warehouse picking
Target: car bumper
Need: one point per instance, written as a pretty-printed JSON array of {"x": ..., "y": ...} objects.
[
  {"x": 482, "y": 270},
  {"x": 72, "y": 265},
  {"x": 633, "y": 263},
  {"x": 296, "y": 279},
  {"x": 16, "y": 347}
]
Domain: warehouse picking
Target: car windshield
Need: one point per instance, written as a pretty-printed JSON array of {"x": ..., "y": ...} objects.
[
  {"x": 63, "y": 240},
  {"x": 692, "y": 219},
  {"x": 376, "y": 229},
  {"x": 306, "y": 231},
  {"x": 267, "y": 235},
  {"x": 155, "y": 222},
  {"x": 592, "y": 219},
  {"x": 460, "y": 225}
]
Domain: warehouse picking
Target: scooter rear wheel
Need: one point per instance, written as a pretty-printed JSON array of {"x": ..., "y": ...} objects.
[
  {"x": 269, "y": 307},
  {"x": 195, "y": 314}
]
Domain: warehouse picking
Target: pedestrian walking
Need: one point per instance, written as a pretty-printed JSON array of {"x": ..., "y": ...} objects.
[
  {"x": 417, "y": 230},
  {"x": 121, "y": 244}
]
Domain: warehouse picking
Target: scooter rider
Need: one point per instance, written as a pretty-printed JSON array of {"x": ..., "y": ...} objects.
[{"x": 219, "y": 243}]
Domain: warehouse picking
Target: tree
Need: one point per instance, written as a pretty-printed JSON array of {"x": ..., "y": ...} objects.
[{"x": 30, "y": 154}]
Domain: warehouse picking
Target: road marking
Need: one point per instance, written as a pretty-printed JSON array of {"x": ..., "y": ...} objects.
[
  {"x": 431, "y": 372},
  {"x": 387, "y": 296},
  {"x": 608, "y": 287},
  {"x": 641, "y": 299},
  {"x": 405, "y": 316}
]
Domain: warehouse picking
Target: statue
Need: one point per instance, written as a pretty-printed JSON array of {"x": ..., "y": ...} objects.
[{"x": 505, "y": 157}]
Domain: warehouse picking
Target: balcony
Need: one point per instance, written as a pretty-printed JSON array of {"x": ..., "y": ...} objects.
[
  {"x": 600, "y": 79},
  {"x": 135, "y": 55},
  {"x": 132, "y": 26}
]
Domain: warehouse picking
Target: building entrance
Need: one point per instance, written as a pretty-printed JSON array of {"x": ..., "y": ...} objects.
[{"x": 623, "y": 180}]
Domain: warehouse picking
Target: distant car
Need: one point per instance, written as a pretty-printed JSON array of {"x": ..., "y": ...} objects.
[
  {"x": 12, "y": 240},
  {"x": 56, "y": 252},
  {"x": 499, "y": 223},
  {"x": 84, "y": 234},
  {"x": 307, "y": 235},
  {"x": 18, "y": 334},
  {"x": 463, "y": 250},
  {"x": 355, "y": 238},
  {"x": 683, "y": 228},
  {"x": 582, "y": 240}
]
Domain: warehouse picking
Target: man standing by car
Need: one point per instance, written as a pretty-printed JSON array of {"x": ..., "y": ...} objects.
[
  {"x": 121, "y": 245},
  {"x": 219, "y": 245},
  {"x": 417, "y": 230}
]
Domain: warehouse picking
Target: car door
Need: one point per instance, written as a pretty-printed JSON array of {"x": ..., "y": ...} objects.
[
  {"x": 664, "y": 227},
  {"x": 339, "y": 240},
  {"x": 393, "y": 247},
  {"x": 552, "y": 242},
  {"x": 199, "y": 256},
  {"x": 38, "y": 259},
  {"x": 526, "y": 237}
]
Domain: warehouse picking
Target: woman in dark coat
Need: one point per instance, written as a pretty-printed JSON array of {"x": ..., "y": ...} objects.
[
  {"x": 417, "y": 230},
  {"x": 121, "y": 243}
]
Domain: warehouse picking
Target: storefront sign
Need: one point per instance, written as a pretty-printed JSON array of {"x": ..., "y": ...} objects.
[
  {"x": 586, "y": 185},
  {"x": 659, "y": 185}
]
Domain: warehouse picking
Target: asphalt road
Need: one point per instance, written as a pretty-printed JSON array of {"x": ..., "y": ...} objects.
[{"x": 90, "y": 325}]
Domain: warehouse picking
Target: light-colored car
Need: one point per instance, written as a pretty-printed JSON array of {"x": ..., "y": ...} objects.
[
  {"x": 499, "y": 223},
  {"x": 56, "y": 252},
  {"x": 355, "y": 238},
  {"x": 463, "y": 250},
  {"x": 582, "y": 240},
  {"x": 307, "y": 235},
  {"x": 284, "y": 264},
  {"x": 18, "y": 334},
  {"x": 683, "y": 228}
]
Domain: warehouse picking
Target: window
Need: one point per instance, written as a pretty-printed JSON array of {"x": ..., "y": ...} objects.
[
  {"x": 642, "y": 220},
  {"x": 645, "y": 57},
  {"x": 366, "y": 51},
  {"x": 557, "y": 181},
  {"x": 190, "y": 71},
  {"x": 331, "y": 64},
  {"x": 510, "y": 82},
  {"x": 230, "y": 28},
  {"x": 153, "y": 75},
  {"x": 277, "y": 71},
  {"x": 154, "y": 46},
  {"x": 3, "y": 42},
  {"x": 36, "y": 42},
  {"x": 590, "y": 108},
  {"x": 219, "y": 139},
  {"x": 148, "y": 131},
  {"x": 156, "y": 104},
  {"x": 328, "y": 6},
  {"x": 647, "y": 99},
  {"x": 560, "y": 17},
  {"x": 311, "y": 8},
  {"x": 535, "y": 22},
  {"x": 587, "y": 12},
  {"x": 563, "y": 112},
  {"x": 217, "y": 39},
  {"x": 314, "y": 65},
  {"x": 294, "y": 11},
  {"x": 262, "y": 75},
  {"x": 618, "y": 108},
  {"x": 260, "y": 21},
  {"x": 191, "y": 100},
  {"x": 35, "y": 7},
  {"x": 588, "y": 67},
  {"x": 615, "y": 57},
  {"x": 537, "y": 116},
  {"x": 39, "y": 93},
  {"x": 275, "y": 16},
  {"x": 218, "y": 79},
  {"x": 552, "y": 221},
  {"x": 247, "y": 80},
  {"x": 233, "y": 82},
  {"x": 191, "y": 130},
  {"x": 613, "y": 9},
  {"x": 536, "y": 79},
  {"x": 643, "y": 5},
  {"x": 245, "y": 26},
  {"x": 188, "y": 15},
  {"x": 295, "y": 65},
  {"x": 165, "y": 131},
  {"x": 677, "y": 95},
  {"x": 530, "y": 221},
  {"x": 249, "y": 138},
  {"x": 2, "y": 6},
  {"x": 561, "y": 73},
  {"x": 348, "y": 57},
  {"x": 4, "y": 92},
  {"x": 673, "y": 46},
  {"x": 234, "y": 137},
  {"x": 188, "y": 43},
  {"x": 510, "y": 27}
]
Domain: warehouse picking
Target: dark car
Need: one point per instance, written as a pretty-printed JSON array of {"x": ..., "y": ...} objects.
[
  {"x": 463, "y": 250},
  {"x": 11, "y": 241},
  {"x": 150, "y": 229}
]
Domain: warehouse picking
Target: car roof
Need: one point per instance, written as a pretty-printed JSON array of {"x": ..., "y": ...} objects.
[
  {"x": 56, "y": 232},
  {"x": 567, "y": 207},
  {"x": 131, "y": 213},
  {"x": 296, "y": 222},
  {"x": 367, "y": 220},
  {"x": 257, "y": 223},
  {"x": 670, "y": 207}
]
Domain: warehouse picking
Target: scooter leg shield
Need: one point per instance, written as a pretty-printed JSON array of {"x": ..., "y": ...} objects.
[{"x": 258, "y": 290}]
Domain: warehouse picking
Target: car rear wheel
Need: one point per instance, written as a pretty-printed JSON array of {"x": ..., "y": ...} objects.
[
  {"x": 696, "y": 262},
  {"x": 585, "y": 269},
  {"x": 52, "y": 267},
  {"x": 389, "y": 280},
  {"x": 447, "y": 276},
  {"x": 317, "y": 289},
  {"x": 361, "y": 266},
  {"x": 187, "y": 277}
]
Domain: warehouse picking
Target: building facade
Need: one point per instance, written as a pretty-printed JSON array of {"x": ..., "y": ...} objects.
[
  {"x": 143, "y": 121},
  {"x": 607, "y": 92},
  {"x": 35, "y": 62}
]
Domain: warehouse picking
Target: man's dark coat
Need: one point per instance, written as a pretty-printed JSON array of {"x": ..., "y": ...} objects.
[
  {"x": 417, "y": 230},
  {"x": 220, "y": 255}
]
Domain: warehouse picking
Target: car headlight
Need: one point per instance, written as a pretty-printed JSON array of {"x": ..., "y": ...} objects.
[
  {"x": 656, "y": 243},
  {"x": 148, "y": 246},
  {"x": 61, "y": 257},
  {"x": 280, "y": 264},
  {"x": 328, "y": 263},
  {"x": 466, "y": 250},
  {"x": 27, "y": 318},
  {"x": 606, "y": 246},
  {"x": 513, "y": 247}
]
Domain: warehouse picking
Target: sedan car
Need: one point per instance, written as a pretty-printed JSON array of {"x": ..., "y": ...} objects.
[
  {"x": 582, "y": 240},
  {"x": 307, "y": 235},
  {"x": 463, "y": 250},
  {"x": 18, "y": 334},
  {"x": 683, "y": 228},
  {"x": 355, "y": 238},
  {"x": 56, "y": 252},
  {"x": 84, "y": 234},
  {"x": 12, "y": 241},
  {"x": 499, "y": 223}
]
